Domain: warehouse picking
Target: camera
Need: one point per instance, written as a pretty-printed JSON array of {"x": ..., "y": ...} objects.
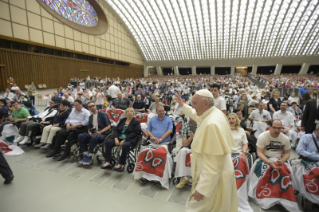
[{"x": 93, "y": 130}]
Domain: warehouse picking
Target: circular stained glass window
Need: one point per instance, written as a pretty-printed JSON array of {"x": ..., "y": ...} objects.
[
  {"x": 84, "y": 15},
  {"x": 78, "y": 11}
]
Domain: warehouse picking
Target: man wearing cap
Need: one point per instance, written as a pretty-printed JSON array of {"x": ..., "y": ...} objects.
[{"x": 214, "y": 186}]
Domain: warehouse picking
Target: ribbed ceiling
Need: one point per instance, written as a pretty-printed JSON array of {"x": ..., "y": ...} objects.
[{"x": 204, "y": 29}]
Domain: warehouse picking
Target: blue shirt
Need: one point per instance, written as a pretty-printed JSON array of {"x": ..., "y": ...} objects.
[
  {"x": 302, "y": 91},
  {"x": 307, "y": 148},
  {"x": 81, "y": 117},
  {"x": 159, "y": 127}
]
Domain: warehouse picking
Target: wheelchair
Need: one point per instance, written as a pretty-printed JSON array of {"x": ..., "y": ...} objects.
[
  {"x": 131, "y": 157},
  {"x": 304, "y": 201},
  {"x": 76, "y": 156}
]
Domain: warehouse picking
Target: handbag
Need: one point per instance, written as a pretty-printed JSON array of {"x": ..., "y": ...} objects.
[{"x": 34, "y": 93}]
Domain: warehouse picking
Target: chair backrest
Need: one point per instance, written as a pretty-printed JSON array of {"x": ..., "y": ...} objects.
[
  {"x": 47, "y": 96},
  {"x": 44, "y": 85},
  {"x": 40, "y": 86},
  {"x": 26, "y": 86},
  {"x": 39, "y": 96}
]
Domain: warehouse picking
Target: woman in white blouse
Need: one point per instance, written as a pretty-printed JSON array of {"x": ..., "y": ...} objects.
[{"x": 239, "y": 135}]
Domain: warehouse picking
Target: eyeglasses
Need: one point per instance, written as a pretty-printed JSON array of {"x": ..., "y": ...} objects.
[
  {"x": 91, "y": 106},
  {"x": 277, "y": 128}
]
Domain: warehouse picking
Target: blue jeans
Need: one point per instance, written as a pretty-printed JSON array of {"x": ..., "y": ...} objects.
[{"x": 85, "y": 138}]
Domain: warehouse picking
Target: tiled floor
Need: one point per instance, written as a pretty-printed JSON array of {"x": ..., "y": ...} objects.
[{"x": 45, "y": 185}]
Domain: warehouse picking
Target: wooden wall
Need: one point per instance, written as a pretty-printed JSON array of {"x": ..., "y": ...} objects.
[{"x": 55, "y": 71}]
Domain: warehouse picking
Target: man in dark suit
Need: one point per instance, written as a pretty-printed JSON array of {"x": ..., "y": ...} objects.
[{"x": 310, "y": 116}]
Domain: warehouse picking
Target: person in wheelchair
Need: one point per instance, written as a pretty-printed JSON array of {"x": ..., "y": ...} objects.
[
  {"x": 308, "y": 146},
  {"x": 75, "y": 124},
  {"x": 18, "y": 115},
  {"x": 36, "y": 121},
  {"x": 271, "y": 176},
  {"x": 159, "y": 131},
  {"x": 99, "y": 128},
  {"x": 183, "y": 170},
  {"x": 125, "y": 134},
  {"x": 54, "y": 125}
]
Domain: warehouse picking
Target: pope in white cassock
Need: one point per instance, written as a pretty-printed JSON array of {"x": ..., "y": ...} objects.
[{"x": 214, "y": 185}]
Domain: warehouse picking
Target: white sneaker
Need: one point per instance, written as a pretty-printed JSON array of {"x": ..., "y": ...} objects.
[
  {"x": 25, "y": 140},
  {"x": 20, "y": 138}
]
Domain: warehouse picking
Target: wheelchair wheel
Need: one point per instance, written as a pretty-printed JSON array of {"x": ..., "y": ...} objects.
[
  {"x": 130, "y": 167},
  {"x": 99, "y": 161},
  {"x": 304, "y": 202}
]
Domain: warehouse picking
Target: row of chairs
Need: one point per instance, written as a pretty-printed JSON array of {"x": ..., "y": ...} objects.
[{"x": 41, "y": 86}]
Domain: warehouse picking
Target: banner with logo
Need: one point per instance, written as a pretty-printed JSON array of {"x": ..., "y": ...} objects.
[
  {"x": 115, "y": 115},
  {"x": 242, "y": 175},
  {"x": 306, "y": 179},
  {"x": 269, "y": 186}
]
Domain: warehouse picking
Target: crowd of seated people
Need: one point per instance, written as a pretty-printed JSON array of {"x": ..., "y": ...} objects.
[{"x": 75, "y": 115}]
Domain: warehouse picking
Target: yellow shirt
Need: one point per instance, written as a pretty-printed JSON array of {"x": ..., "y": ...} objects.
[{"x": 212, "y": 167}]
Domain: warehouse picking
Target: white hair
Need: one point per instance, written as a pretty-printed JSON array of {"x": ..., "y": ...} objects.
[{"x": 209, "y": 99}]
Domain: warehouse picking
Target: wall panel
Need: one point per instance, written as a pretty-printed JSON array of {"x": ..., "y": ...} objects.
[{"x": 55, "y": 71}]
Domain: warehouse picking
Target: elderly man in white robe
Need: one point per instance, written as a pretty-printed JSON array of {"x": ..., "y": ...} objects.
[{"x": 214, "y": 185}]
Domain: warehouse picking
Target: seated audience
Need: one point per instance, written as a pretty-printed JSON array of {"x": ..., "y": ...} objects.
[
  {"x": 125, "y": 134},
  {"x": 18, "y": 115},
  {"x": 8, "y": 94},
  {"x": 14, "y": 88},
  {"x": 181, "y": 170},
  {"x": 75, "y": 124},
  {"x": 26, "y": 127},
  {"x": 294, "y": 109},
  {"x": 139, "y": 105},
  {"x": 273, "y": 149},
  {"x": 253, "y": 102},
  {"x": 57, "y": 97},
  {"x": 159, "y": 131},
  {"x": 69, "y": 98},
  {"x": 155, "y": 104},
  {"x": 18, "y": 95},
  {"x": 3, "y": 108},
  {"x": 55, "y": 125},
  {"x": 121, "y": 102},
  {"x": 274, "y": 102},
  {"x": 240, "y": 149},
  {"x": 99, "y": 128},
  {"x": 307, "y": 148},
  {"x": 99, "y": 101},
  {"x": 287, "y": 119}
]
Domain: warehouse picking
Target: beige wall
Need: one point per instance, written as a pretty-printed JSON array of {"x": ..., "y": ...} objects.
[{"x": 27, "y": 20}]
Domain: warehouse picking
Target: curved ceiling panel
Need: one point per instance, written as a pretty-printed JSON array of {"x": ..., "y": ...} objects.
[{"x": 207, "y": 29}]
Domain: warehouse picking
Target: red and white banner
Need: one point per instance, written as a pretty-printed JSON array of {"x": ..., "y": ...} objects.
[
  {"x": 306, "y": 179},
  {"x": 183, "y": 162},
  {"x": 269, "y": 186},
  {"x": 242, "y": 176},
  {"x": 115, "y": 115}
]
